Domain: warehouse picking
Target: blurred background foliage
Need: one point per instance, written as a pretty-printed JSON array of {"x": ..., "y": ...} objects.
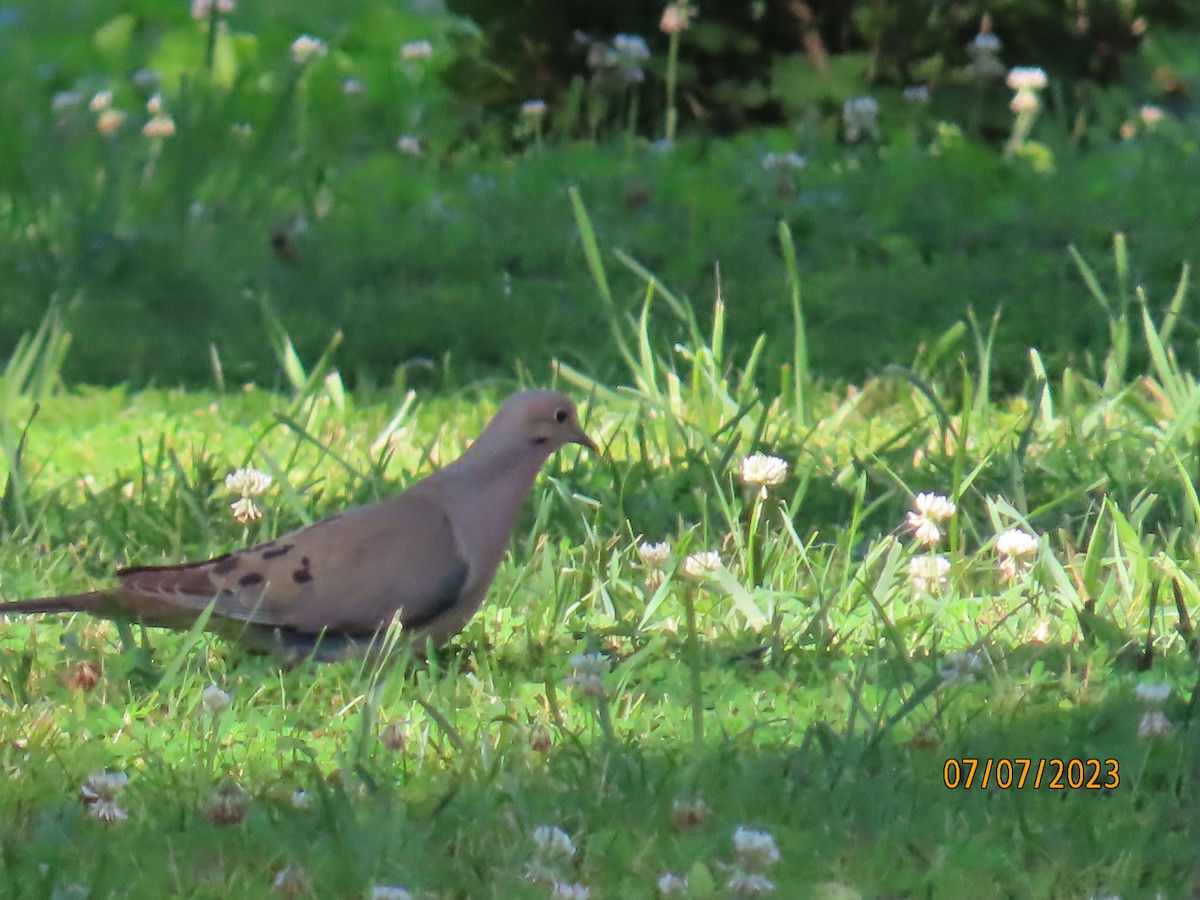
[
  {"x": 765, "y": 60},
  {"x": 392, "y": 188}
]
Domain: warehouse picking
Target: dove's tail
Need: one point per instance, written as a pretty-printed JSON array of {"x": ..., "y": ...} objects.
[{"x": 95, "y": 602}]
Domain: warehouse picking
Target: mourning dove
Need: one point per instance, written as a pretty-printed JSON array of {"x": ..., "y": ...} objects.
[{"x": 427, "y": 556}]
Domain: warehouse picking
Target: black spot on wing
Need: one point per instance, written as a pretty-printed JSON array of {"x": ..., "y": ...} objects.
[
  {"x": 225, "y": 565},
  {"x": 278, "y": 551},
  {"x": 250, "y": 578},
  {"x": 303, "y": 574}
]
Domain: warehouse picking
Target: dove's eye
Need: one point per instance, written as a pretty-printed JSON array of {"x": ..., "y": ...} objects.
[{"x": 560, "y": 416}]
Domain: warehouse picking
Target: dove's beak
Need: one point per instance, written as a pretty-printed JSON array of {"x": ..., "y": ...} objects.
[{"x": 580, "y": 437}]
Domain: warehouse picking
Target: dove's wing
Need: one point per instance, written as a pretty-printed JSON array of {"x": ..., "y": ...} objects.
[{"x": 348, "y": 573}]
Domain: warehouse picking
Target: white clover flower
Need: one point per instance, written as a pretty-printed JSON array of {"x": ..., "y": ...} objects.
[
  {"x": 984, "y": 50},
  {"x": 631, "y": 46},
  {"x": 390, "y": 892},
  {"x": 702, "y": 564},
  {"x": 410, "y": 145},
  {"x": 291, "y": 881},
  {"x": 916, "y": 93},
  {"x": 689, "y": 812},
  {"x": 934, "y": 506},
  {"x": 1026, "y": 78},
  {"x": 764, "y": 471},
  {"x": 1017, "y": 550},
  {"x": 960, "y": 665},
  {"x": 65, "y": 100},
  {"x": 928, "y": 573},
  {"x": 553, "y": 843},
  {"x": 1150, "y": 115},
  {"x": 927, "y": 515},
  {"x": 159, "y": 126},
  {"x": 588, "y": 675},
  {"x": 416, "y": 50},
  {"x": 202, "y": 9},
  {"x": 145, "y": 79},
  {"x": 353, "y": 87},
  {"x": 756, "y": 850},
  {"x": 553, "y": 852},
  {"x": 227, "y": 804},
  {"x": 672, "y": 885},
  {"x": 533, "y": 109},
  {"x": 247, "y": 482},
  {"x": 1152, "y": 693},
  {"x": 624, "y": 57},
  {"x": 676, "y": 17},
  {"x": 245, "y": 510},
  {"x": 654, "y": 555},
  {"x": 301, "y": 799},
  {"x": 108, "y": 811},
  {"x": 570, "y": 890},
  {"x": 306, "y": 48},
  {"x": 984, "y": 42},
  {"x": 1154, "y": 724},
  {"x": 155, "y": 104},
  {"x": 749, "y": 884},
  {"x": 860, "y": 116},
  {"x": 99, "y": 794},
  {"x": 654, "y": 580},
  {"x": 109, "y": 121},
  {"x": 214, "y": 700},
  {"x": 101, "y": 100},
  {"x": 790, "y": 160},
  {"x": 1024, "y": 101}
]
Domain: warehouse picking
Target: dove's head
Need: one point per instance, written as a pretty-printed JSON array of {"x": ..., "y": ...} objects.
[
  {"x": 540, "y": 420},
  {"x": 549, "y": 419}
]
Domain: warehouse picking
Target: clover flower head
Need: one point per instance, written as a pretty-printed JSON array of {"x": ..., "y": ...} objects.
[
  {"x": 159, "y": 126},
  {"x": 1152, "y": 693},
  {"x": 1154, "y": 724},
  {"x": 214, "y": 700},
  {"x": 202, "y": 9},
  {"x": 588, "y": 673},
  {"x": 764, "y": 471},
  {"x": 570, "y": 890},
  {"x": 676, "y": 17},
  {"x": 702, "y": 564},
  {"x": 790, "y": 161},
  {"x": 416, "y": 50},
  {"x": 99, "y": 794},
  {"x": 1017, "y": 550},
  {"x": 755, "y": 850},
  {"x": 1026, "y": 78},
  {"x": 533, "y": 109},
  {"x": 928, "y": 573},
  {"x": 291, "y": 881},
  {"x": 672, "y": 885},
  {"x": 959, "y": 666},
  {"x": 925, "y": 519},
  {"x": 654, "y": 555},
  {"x": 307, "y": 48}
]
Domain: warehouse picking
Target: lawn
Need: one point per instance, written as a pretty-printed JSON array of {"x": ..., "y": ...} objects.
[{"x": 941, "y": 643}]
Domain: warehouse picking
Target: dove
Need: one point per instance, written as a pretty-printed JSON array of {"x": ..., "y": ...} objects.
[{"x": 330, "y": 590}]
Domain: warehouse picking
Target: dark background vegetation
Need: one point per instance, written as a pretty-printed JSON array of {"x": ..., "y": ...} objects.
[{"x": 465, "y": 262}]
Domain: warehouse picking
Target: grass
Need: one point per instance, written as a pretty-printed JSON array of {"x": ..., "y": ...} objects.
[
  {"x": 806, "y": 690},
  {"x": 346, "y": 317},
  {"x": 314, "y": 213}
]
